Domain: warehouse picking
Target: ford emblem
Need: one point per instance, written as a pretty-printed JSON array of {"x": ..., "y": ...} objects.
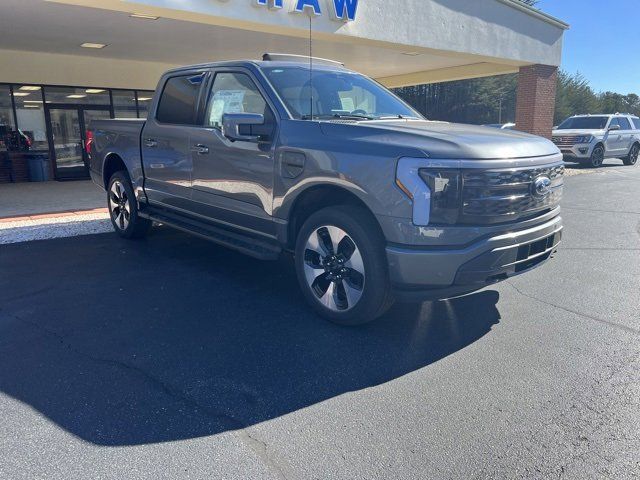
[{"x": 541, "y": 186}]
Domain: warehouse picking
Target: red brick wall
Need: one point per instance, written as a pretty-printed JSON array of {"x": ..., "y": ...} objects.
[{"x": 536, "y": 99}]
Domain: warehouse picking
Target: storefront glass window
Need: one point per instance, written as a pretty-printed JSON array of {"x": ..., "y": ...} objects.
[
  {"x": 30, "y": 113},
  {"x": 124, "y": 103},
  {"x": 144, "y": 101},
  {"x": 71, "y": 95},
  {"x": 7, "y": 124}
]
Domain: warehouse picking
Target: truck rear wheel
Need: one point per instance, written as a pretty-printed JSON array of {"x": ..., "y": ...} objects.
[
  {"x": 123, "y": 208},
  {"x": 342, "y": 266},
  {"x": 632, "y": 158}
]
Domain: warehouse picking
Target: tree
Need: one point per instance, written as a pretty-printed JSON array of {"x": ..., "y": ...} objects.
[
  {"x": 482, "y": 100},
  {"x": 493, "y": 99},
  {"x": 574, "y": 96}
]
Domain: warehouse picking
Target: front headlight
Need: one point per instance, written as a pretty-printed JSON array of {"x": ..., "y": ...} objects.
[
  {"x": 444, "y": 185},
  {"x": 434, "y": 191},
  {"x": 583, "y": 139}
]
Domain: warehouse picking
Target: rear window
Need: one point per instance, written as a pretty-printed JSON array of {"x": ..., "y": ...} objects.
[
  {"x": 179, "y": 98},
  {"x": 584, "y": 123}
]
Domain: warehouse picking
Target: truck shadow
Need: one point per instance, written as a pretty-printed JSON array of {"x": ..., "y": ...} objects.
[{"x": 128, "y": 343}]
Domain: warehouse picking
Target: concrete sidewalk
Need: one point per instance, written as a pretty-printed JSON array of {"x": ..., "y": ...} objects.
[
  {"x": 37, "y": 211},
  {"x": 36, "y": 199}
]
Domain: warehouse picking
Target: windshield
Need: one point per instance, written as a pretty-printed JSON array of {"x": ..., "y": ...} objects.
[
  {"x": 336, "y": 94},
  {"x": 584, "y": 123}
]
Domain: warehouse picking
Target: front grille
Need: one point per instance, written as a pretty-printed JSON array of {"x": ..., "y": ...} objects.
[
  {"x": 495, "y": 196},
  {"x": 564, "y": 142}
]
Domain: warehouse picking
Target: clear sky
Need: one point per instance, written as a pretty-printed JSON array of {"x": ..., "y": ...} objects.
[{"x": 603, "y": 43}]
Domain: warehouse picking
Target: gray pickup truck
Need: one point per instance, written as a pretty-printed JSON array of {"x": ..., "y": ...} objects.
[{"x": 375, "y": 202}]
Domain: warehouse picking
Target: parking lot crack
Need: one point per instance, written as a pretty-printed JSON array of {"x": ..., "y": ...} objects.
[
  {"x": 575, "y": 312},
  {"x": 262, "y": 450}
]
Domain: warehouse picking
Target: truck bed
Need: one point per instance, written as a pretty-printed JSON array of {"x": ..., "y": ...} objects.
[{"x": 118, "y": 136}]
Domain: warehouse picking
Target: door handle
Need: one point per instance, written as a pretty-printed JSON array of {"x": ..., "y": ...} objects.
[
  {"x": 200, "y": 149},
  {"x": 151, "y": 143}
]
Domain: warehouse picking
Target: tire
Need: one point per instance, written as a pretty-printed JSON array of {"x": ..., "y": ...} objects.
[
  {"x": 597, "y": 157},
  {"x": 632, "y": 158},
  {"x": 347, "y": 285},
  {"x": 123, "y": 208}
]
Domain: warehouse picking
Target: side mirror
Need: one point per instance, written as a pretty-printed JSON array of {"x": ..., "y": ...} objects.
[
  {"x": 614, "y": 127},
  {"x": 231, "y": 123}
]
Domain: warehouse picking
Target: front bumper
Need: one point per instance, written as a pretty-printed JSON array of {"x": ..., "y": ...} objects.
[
  {"x": 421, "y": 273},
  {"x": 581, "y": 151}
]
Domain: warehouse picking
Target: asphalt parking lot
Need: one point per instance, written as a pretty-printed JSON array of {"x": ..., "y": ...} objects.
[{"x": 174, "y": 358}]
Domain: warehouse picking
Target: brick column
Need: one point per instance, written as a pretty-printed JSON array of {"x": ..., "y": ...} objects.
[{"x": 536, "y": 99}]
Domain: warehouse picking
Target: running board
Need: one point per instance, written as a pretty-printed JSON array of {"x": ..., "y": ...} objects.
[{"x": 254, "y": 247}]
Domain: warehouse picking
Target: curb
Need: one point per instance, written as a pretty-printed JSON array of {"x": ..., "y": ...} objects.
[{"x": 65, "y": 213}]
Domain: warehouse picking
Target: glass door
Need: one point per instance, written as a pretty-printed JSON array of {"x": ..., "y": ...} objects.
[
  {"x": 68, "y": 131},
  {"x": 67, "y": 142}
]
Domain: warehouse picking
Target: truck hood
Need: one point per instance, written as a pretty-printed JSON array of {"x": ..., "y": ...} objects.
[{"x": 445, "y": 140}]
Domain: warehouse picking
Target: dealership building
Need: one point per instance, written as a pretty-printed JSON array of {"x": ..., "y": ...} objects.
[{"x": 66, "y": 62}]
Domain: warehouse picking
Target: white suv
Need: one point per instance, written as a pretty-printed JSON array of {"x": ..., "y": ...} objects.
[{"x": 590, "y": 139}]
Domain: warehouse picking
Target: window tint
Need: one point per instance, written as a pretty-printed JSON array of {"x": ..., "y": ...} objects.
[
  {"x": 584, "y": 123},
  {"x": 624, "y": 123},
  {"x": 233, "y": 93},
  {"x": 179, "y": 98},
  {"x": 636, "y": 122},
  {"x": 334, "y": 93}
]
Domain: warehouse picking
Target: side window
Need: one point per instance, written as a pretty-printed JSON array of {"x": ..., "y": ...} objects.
[
  {"x": 614, "y": 121},
  {"x": 234, "y": 93},
  {"x": 636, "y": 121},
  {"x": 624, "y": 123},
  {"x": 179, "y": 99}
]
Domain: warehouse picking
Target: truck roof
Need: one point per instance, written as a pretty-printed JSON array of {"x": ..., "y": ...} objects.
[
  {"x": 269, "y": 60},
  {"x": 604, "y": 115}
]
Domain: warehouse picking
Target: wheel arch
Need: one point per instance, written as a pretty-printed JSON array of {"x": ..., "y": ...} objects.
[
  {"x": 317, "y": 197},
  {"x": 112, "y": 163}
]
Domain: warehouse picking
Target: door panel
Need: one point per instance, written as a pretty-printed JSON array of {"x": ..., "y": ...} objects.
[
  {"x": 234, "y": 181},
  {"x": 167, "y": 164},
  {"x": 235, "y": 177},
  {"x": 67, "y": 143},
  {"x": 626, "y": 135},
  {"x": 166, "y": 152},
  {"x": 614, "y": 140}
]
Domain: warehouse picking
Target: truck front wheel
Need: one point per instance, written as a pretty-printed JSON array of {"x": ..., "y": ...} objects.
[
  {"x": 123, "y": 208},
  {"x": 342, "y": 267},
  {"x": 597, "y": 157}
]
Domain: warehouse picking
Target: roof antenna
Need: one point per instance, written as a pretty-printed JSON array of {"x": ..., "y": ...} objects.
[{"x": 310, "y": 70}]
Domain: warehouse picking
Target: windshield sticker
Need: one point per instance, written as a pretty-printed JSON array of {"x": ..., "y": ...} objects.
[{"x": 226, "y": 101}]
